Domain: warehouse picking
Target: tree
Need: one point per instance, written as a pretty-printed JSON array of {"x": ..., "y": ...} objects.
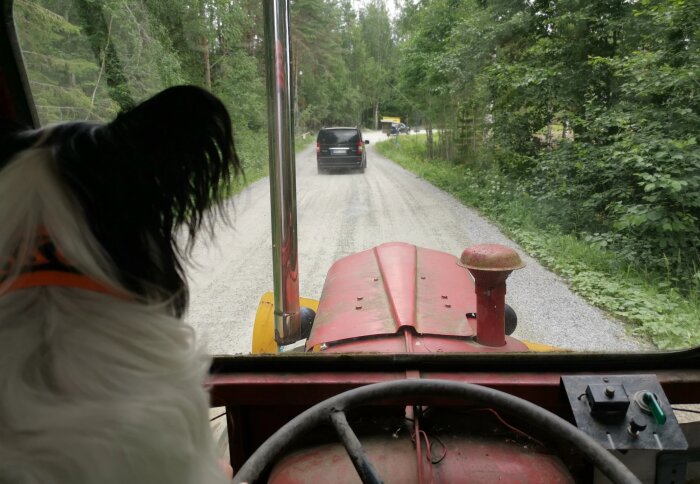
[{"x": 64, "y": 78}]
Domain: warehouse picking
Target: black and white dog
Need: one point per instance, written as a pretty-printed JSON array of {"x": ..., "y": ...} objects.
[{"x": 100, "y": 380}]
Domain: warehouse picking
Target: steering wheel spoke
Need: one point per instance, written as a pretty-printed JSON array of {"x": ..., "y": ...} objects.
[{"x": 363, "y": 466}]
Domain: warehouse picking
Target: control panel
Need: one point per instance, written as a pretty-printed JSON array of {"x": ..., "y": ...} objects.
[{"x": 624, "y": 412}]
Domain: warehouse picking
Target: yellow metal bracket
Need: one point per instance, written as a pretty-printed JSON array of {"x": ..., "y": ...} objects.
[
  {"x": 542, "y": 348},
  {"x": 264, "y": 326}
]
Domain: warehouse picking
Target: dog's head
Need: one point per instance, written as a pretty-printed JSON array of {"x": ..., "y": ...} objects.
[{"x": 156, "y": 168}]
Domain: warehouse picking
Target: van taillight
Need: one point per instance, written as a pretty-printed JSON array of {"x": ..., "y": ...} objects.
[
  {"x": 318, "y": 147},
  {"x": 360, "y": 144}
]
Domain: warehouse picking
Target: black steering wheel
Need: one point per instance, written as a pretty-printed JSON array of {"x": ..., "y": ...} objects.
[{"x": 333, "y": 411}]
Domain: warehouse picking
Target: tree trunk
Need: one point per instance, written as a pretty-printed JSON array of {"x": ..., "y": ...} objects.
[
  {"x": 429, "y": 140},
  {"x": 449, "y": 143},
  {"x": 207, "y": 64},
  {"x": 204, "y": 45},
  {"x": 376, "y": 115},
  {"x": 95, "y": 26},
  {"x": 471, "y": 143}
]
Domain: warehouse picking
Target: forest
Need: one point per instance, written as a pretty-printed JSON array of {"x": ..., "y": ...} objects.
[
  {"x": 591, "y": 108},
  {"x": 88, "y": 59}
]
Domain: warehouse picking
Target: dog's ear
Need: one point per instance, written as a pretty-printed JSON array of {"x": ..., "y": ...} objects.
[
  {"x": 139, "y": 178},
  {"x": 179, "y": 146}
]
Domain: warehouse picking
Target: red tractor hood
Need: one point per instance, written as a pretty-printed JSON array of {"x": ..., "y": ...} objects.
[{"x": 399, "y": 288}]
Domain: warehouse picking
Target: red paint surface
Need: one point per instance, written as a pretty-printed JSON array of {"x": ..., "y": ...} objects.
[
  {"x": 309, "y": 388},
  {"x": 474, "y": 460},
  {"x": 490, "y": 306},
  {"x": 394, "y": 286},
  {"x": 398, "y": 343},
  {"x": 490, "y": 320}
]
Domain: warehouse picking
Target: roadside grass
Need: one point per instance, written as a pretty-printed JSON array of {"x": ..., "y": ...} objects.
[
  {"x": 252, "y": 151},
  {"x": 651, "y": 304}
]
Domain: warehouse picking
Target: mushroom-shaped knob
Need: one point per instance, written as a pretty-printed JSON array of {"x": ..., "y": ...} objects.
[{"x": 491, "y": 257}]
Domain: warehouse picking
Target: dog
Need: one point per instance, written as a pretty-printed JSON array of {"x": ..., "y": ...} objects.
[{"x": 100, "y": 379}]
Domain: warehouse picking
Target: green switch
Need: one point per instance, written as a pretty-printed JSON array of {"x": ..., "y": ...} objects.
[{"x": 652, "y": 402}]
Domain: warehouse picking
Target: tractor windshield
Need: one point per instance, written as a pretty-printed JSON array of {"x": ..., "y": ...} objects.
[{"x": 564, "y": 130}]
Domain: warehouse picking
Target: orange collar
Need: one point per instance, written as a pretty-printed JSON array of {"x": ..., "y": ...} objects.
[
  {"x": 47, "y": 266},
  {"x": 30, "y": 280}
]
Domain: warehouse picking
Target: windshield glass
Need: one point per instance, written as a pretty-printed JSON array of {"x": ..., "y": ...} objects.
[{"x": 565, "y": 130}]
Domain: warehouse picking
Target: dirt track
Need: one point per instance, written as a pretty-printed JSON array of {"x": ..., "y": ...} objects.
[{"x": 339, "y": 214}]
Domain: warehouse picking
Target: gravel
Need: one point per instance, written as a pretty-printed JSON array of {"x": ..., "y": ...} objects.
[{"x": 343, "y": 213}]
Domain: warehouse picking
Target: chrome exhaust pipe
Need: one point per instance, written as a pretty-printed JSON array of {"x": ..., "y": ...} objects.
[{"x": 285, "y": 263}]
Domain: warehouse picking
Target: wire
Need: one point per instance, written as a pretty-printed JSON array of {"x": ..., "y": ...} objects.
[
  {"x": 437, "y": 460},
  {"x": 424, "y": 411},
  {"x": 684, "y": 410},
  {"x": 218, "y": 416},
  {"x": 428, "y": 448},
  {"x": 506, "y": 424}
]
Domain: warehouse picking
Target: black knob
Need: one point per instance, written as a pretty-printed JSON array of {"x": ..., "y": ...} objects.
[{"x": 635, "y": 428}]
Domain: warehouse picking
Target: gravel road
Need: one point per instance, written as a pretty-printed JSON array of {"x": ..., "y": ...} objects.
[{"x": 343, "y": 213}]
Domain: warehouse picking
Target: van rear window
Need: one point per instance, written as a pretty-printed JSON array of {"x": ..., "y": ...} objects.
[{"x": 339, "y": 136}]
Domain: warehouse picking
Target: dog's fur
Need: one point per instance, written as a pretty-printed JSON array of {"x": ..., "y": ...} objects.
[{"x": 108, "y": 388}]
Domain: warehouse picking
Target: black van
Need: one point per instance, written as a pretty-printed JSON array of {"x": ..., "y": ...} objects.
[{"x": 340, "y": 148}]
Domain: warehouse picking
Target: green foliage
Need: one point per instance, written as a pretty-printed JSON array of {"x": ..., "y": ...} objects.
[
  {"x": 88, "y": 59},
  {"x": 343, "y": 62},
  {"x": 618, "y": 78},
  {"x": 61, "y": 72},
  {"x": 435, "y": 73},
  {"x": 651, "y": 305},
  {"x": 323, "y": 82}
]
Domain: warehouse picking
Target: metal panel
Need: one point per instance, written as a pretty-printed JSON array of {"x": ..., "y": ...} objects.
[
  {"x": 407, "y": 342},
  {"x": 466, "y": 460},
  {"x": 309, "y": 387},
  {"x": 618, "y": 433},
  {"x": 672, "y": 467},
  {"x": 394, "y": 285}
]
